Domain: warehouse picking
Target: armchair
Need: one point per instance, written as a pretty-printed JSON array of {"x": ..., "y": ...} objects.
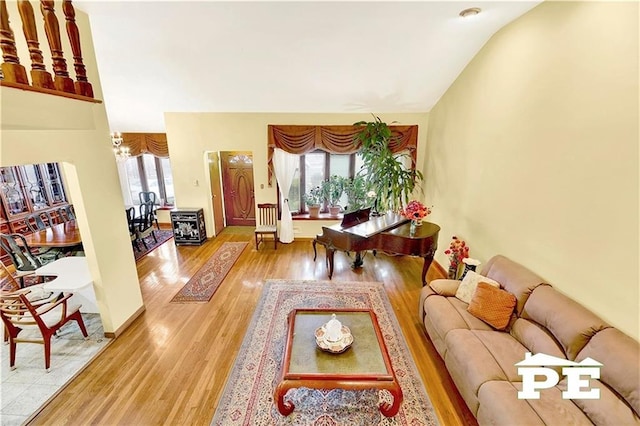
[{"x": 21, "y": 310}]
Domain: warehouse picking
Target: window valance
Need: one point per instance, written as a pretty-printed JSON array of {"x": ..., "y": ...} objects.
[
  {"x": 297, "y": 139},
  {"x": 143, "y": 143}
]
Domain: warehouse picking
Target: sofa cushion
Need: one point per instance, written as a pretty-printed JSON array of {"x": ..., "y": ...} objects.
[
  {"x": 571, "y": 323},
  {"x": 445, "y": 287},
  {"x": 513, "y": 277},
  {"x": 469, "y": 283},
  {"x": 608, "y": 410},
  {"x": 537, "y": 339},
  {"x": 492, "y": 305},
  {"x": 499, "y": 405},
  {"x": 620, "y": 357},
  {"x": 474, "y": 357}
]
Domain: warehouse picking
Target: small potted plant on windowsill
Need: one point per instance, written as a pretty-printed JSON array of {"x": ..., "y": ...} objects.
[
  {"x": 332, "y": 190},
  {"x": 314, "y": 199}
]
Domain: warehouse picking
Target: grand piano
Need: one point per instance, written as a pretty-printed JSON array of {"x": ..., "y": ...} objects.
[{"x": 391, "y": 232}]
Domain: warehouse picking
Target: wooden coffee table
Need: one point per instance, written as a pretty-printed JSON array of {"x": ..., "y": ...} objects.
[{"x": 365, "y": 365}]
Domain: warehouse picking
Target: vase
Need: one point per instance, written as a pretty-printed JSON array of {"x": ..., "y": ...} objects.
[
  {"x": 314, "y": 211},
  {"x": 469, "y": 265},
  {"x": 416, "y": 222},
  {"x": 453, "y": 271}
]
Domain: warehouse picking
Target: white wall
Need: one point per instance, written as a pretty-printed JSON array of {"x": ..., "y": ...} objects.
[
  {"x": 39, "y": 128},
  {"x": 533, "y": 153},
  {"x": 190, "y": 135}
]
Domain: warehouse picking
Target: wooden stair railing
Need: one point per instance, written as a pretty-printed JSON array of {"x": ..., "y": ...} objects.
[{"x": 14, "y": 74}]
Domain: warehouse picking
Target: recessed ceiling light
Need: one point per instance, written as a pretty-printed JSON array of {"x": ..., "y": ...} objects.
[{"x": 472, "y": 11}]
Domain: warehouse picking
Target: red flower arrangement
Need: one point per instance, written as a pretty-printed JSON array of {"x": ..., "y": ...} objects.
[
  {"x": 415, "y": 210},
  {"x": 457, "y": 251}
]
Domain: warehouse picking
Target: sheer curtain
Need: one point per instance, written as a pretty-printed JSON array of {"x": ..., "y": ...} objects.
[
  {"x": 124, "y": 182},
  {"x": 285, "y": 165}
]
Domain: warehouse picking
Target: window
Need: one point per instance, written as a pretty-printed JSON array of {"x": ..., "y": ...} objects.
[
  {"x": 316, "y": 167},
  {"x": 147, "y": 172}
]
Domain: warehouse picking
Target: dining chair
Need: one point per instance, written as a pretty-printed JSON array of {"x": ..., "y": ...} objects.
[
  {"x": 144, "y": 223},
  {"x": 28, "y": 308},
  {"x": 131, "y": 216},
  {"x": 150, "y": 197},
  {"x": 20, "y": 254},
  {"x": 267, "y": 218},
  {"x": 36, "y": 223}
]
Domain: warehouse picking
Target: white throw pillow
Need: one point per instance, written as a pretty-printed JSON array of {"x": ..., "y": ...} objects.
[{"x": 469, "y": 283}]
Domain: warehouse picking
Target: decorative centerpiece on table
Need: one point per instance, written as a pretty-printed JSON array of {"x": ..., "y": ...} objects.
[
  {"x": 458, "y": 251},
  {"x": 416, "y": 211}
]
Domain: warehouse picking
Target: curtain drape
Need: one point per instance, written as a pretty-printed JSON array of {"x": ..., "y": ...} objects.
[
  {"x": 285, "y": 167},
  {"x": 124, "y": 183},
  {"x": 143, "y": 143},
  {"x": 333, "y": 139}
]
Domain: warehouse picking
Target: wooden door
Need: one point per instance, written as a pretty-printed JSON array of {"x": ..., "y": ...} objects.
[
  {"x": 237, "y": 184},
  {"x": 216, "y": 192}
]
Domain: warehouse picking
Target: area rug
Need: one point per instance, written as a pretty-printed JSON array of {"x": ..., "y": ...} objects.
[
  {"x": 162, "y": 235},
  {"x": 205, "y": 282},
  {"x": 28, "y": 388},
  {"x": 248, "y": 395}
]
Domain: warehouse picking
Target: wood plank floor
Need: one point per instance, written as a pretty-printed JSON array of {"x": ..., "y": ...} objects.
[{"x": 171, "y": 364}]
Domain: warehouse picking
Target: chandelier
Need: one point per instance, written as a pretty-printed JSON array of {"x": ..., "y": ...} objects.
[{"x": 121, "y": 152}]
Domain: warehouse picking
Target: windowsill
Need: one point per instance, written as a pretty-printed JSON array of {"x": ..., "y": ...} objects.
[{"x": 322, "y": 216}]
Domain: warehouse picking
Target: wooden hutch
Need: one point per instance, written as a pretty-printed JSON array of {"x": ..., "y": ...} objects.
[{"x": 29, "y": 189}]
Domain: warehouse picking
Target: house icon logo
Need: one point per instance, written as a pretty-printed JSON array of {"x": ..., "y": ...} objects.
[{"x": 538, "y": 366}]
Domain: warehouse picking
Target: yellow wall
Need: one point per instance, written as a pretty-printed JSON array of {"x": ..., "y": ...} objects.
[
  {"x": 190, "y": 135},
  {"x": 39, "y": 128},
  {"x": 533, "y": 153}
]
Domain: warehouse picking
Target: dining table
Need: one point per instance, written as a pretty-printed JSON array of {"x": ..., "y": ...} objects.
[{"x": 61, "y": 235}]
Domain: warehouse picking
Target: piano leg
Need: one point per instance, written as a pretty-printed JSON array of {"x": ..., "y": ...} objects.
[
  {"x": 330, "y": 252},
  {"x": 315, "y": 253},
  {"x": 357, "y": 263}
]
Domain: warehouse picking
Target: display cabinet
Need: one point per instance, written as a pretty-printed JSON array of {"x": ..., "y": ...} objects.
[
  {"x": 29, "y": 189},
  {"x": 188, "y": 226}
]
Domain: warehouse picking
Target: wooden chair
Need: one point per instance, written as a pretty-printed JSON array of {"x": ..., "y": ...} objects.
[
  {"x": 47, "y": 313},
  {"x": 150, "y": 197},
  {"x": 36, "y": 223},
  {"x": 24, "y": 260},
  {"x": 131, "y": 217},
  {"x": 267, "y": 223},
  {"x": 144, "y": 224}
]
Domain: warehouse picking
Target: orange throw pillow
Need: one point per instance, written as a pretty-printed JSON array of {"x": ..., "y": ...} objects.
[{"x": 492, "y": 305}]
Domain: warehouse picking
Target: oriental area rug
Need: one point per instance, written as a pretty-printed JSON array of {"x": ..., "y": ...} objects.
[
  {"x": 248, "y": 395},
  {"x": 162, "y": 235},
  {"x": 205, "y": 282}
]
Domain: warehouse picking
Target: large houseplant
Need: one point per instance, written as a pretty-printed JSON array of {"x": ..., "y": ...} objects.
[{"x": 383, "y": 170}]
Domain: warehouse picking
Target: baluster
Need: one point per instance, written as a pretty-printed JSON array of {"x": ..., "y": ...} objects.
[
  {"x": 83, "y": 87},
  {"x": 61, "y": 81},
  {"x": 12, "y": 71},
  {"x": 39, "y": 75}
]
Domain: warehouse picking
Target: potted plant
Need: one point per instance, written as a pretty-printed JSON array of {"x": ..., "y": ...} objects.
[
  {"x": 332, "y": 190},
  {"x": 385, "y": 171},
  {"x": 314, "y": 199},
  {"x": 356, "y": 190}
]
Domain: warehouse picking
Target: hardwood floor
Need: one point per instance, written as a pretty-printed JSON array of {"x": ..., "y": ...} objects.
[{"x": 171, "y": 364}]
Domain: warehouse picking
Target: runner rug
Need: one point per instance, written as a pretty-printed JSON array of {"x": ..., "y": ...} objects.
[
  {"x": 248, "y": 395},
  {"x": 206, "y": 281}
]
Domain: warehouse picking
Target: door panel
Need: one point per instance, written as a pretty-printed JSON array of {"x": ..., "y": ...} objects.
[
  {"x": 216, "y": 192},
  {"x": 237, "y": 182}
]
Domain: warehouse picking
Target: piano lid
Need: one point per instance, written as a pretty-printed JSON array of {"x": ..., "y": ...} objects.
[{"x": 375, "y": 225}]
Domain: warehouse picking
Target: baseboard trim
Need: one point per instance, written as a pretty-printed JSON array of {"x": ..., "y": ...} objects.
[{"x": 127, "y": 323}]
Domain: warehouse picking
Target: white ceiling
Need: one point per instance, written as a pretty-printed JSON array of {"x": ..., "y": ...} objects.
[{"x": 308, "y": 56}]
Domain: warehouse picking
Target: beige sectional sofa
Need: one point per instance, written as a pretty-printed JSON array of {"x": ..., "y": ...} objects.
[{"x": 481, "y": 360}]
